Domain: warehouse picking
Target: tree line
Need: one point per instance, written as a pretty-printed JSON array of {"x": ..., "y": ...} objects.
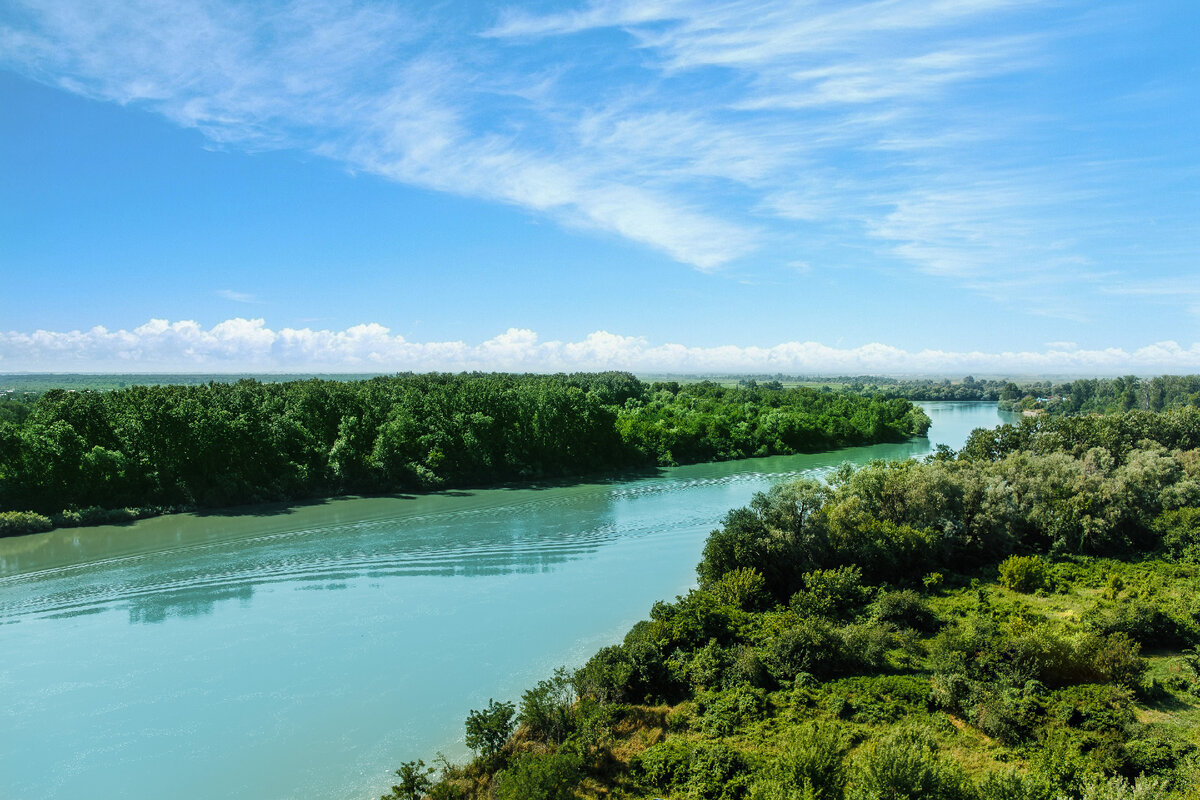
[
  {"x": 1013, "y": 622},
  {"x": 76, "y": 454}
]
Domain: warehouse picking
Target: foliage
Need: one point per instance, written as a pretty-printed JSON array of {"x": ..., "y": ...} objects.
[
  {"x": 811, "y": 765},
  {"x": 414, "y": 781},
  {"x": 876, "y": 637},
  {"x": 219, "y": 444},
  {"x": 538, "y": 776},
  {"x": 15, "y": 523},
  {"x": 488, "y": 729},
  {"x": 546, "y": 708},
  {"x": 905, "y": 765},
  {"x": 713, "y": 771},
  {"x": 1023, "y": 573}
]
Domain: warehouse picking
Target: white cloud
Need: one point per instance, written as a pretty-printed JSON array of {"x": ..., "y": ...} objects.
[{"x": 237, "y": 345}]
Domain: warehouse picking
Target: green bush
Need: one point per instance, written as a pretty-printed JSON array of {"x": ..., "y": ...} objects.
[
  {"x": 1023, "y": 573},
  {"x": 707, "y": 665},
  {"x": 746, "y": 668},
  {"x": 540, "y": 776},
  {"x": 744, "y": 588},
  {"x": 1117, "y": 658},
  {"x": 811, "y": 645},
  {"x": 905, "y": 609},
  {"x": 710, "y": 771},
  {"x": 1093, "y": 707},
  {"x": 606, "y": 677},
  {"x": 1011, "y": 785},
  {"x": 881, "y": 698},
  {"x": 905, "y": 765},
  {"x": 1179, "y": 532},
  {"x": 18, "y": 523},
  {"x": 810, "y": 765},
  {"x": 1118, "y": 788},
  {"x": 1148, "y": 623},
  {"x": 489, "y": 729},
  {"x": 831, "y": 592},
  {"x": 726, "y": 711},
  {"x": 546, "y": 709},
  {"x": 717, "y": 772}
]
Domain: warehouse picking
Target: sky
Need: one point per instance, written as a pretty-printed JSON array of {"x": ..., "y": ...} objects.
[{"x": 804, "y": 187}]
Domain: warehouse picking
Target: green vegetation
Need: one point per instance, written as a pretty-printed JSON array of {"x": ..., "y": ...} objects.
[
  {"x": 1104, "y": 395},
  {"x": 85, "y": 457},
  {"x": 1017, "y": 622}
]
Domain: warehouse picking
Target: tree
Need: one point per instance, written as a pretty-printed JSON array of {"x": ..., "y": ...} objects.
[
  {"x": 489, "y": 729},
  {"x": 414, "y": 781}
]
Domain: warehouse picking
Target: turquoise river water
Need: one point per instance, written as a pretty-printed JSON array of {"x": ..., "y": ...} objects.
[{"x": 290, "y": 652}]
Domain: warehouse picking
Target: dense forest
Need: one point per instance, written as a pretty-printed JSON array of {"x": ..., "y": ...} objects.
[
  {"x": 1105, "y": 395},
  {"x": 1017, "y": 621},
  {"x": 78, "y": 455}
]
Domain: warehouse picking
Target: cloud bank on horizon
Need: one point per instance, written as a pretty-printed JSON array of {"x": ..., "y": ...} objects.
[{"x": 248, "y": 345}]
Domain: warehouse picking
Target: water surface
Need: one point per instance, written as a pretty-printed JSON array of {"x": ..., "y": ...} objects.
[{"x": 307, "y": 651}]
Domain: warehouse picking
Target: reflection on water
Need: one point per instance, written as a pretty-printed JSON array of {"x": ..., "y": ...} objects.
[
  {"x": 307, "y": 650},
  {"x": 189, "y": 602}
]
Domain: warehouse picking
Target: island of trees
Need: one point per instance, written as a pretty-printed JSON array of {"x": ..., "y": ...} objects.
[
  {"x": 72, "y": 457},
  {"x": 1016, "y": 621}
]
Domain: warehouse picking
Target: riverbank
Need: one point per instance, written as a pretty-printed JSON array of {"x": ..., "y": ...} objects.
[
  {"x": 221, "y": 445},
  {"x": 308, "y": 650}
]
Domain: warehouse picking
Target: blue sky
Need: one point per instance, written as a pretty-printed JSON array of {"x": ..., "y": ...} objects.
[{"x": 888, "y": 186}]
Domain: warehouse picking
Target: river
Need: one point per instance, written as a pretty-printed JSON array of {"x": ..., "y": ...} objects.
[{"x": 305, "y": 651}]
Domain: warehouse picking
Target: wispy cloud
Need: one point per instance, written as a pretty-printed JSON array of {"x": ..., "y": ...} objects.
[
  {"x": 704, "y": 130},
  {"x": 238, "y": 297},
  {"x": 249, "y": 345}
]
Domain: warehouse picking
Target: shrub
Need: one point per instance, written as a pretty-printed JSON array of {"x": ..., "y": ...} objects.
[
  {"x": 811, "y": 645},
  {"x": 717, "y": 772},
  {"x": 905, "y": 609},
  {"x": 664, "y": 765},
  {"x": 881, "y": 698},
  {"x": 18, "y": 523},
  {"x": 724, "y": 712},
  {"x": 1012, "y": 785},
  {"x": 1179, "y": 532},
  {"x": 746, "y": 669},
  {"x": 744, "y": 588},
  {"x": 1147, "y": 623},
  {"x": 1117, "y": 658},
  {"x": 1093, "y": 707},
  {"x": 414, "y": 781},
  {"x": 546, "y": 708},
  {"x": 540, "y": 776},
  {"x": 905, "y": 765},
  {"x": 831, "y": 592},
  {"x": 1023, "y": 573},
  {"x": 811, "y": 765},
  {"x": 489, "y": 729},
  {"x": 706, "y": 666},
  {"x": 606, "y": 676},
  {"x": 863, "y": 647},
  {"x": 710, "y": 771},
  {"x": 1120, "y": 789}
]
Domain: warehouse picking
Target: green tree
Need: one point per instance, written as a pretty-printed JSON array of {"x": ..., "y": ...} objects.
[
  {"x": 488, "y": 729},
  {"x": 414, "y": 781}
]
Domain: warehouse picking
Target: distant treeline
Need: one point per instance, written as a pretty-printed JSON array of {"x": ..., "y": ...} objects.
[
  {"x": 225, "y": 444},
  {"x": 1106, "y": 395},
  {"x": 20, "y": 383},
  {"x": 967, "y": 627}
]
